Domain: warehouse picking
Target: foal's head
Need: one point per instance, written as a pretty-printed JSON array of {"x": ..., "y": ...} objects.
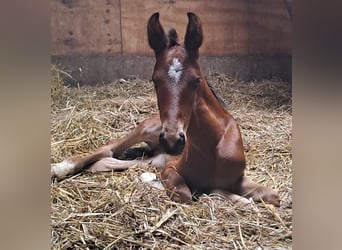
[{"x": 176, "y": 78}]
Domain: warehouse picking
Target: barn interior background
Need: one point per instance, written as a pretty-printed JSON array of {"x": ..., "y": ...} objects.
[{"x": 97, "y": 41}]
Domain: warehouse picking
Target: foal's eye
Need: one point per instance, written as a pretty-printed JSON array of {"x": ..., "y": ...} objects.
[{"x": 196, "y": 82}]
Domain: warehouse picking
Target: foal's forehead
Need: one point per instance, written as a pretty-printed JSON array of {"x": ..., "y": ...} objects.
[
  {"x": 175, "y": 63},
  {"x": 172, "y": 64},
  {"x": 176, "y": 52}
]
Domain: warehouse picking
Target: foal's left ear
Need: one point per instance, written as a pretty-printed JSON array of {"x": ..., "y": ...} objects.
[
  {"x": 156, "y": 35},
  {"x": 194, "y": 35}
]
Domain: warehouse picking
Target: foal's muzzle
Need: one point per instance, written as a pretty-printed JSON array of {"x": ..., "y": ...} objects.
[{"x": 172, "y": 144}]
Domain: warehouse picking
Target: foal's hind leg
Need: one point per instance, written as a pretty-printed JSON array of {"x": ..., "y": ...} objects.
[
  {"x": 249, "y": 189},
  {"x": 148, "y": 131}
]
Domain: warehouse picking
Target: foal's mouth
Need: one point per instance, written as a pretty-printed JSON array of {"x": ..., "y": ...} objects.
[{"x": 176, "y": 149}]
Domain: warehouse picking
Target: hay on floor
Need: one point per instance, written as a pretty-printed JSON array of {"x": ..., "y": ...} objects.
[{"x": 117, "y": 211}]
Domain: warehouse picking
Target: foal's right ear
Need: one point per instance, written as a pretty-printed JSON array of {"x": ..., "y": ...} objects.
[{"x": 156, "y": 35}]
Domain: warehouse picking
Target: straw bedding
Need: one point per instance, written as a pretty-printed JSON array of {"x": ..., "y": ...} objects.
[{"x": 117, "y": 211}]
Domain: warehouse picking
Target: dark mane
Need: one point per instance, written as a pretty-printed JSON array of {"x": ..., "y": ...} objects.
[
  {"x": 172, "y": 37},
  {"x": 217, "y": 96}
]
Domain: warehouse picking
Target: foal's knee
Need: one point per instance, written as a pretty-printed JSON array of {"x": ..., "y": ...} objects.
[{"x": 105, "y": 151}]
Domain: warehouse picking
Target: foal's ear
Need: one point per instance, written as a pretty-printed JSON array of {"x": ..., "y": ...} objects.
[
  {"x": 194, "y": 35},
  {"x": 156, "y": 35}
]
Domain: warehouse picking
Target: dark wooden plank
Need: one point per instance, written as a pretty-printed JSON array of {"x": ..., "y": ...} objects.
[{"x": 105, "y": 68}]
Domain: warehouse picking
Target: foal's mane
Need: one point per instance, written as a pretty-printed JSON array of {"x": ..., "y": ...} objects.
[
  {"x": 217, "y": 96},
  {"x": 172, "y": 38}
]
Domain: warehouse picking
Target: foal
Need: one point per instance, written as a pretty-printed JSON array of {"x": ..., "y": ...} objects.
[{"x": 194, "y": 138}]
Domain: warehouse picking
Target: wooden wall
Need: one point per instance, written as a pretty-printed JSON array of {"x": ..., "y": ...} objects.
[
  {"x": 231, "y": 27},
  {"x": 118, "y": 27},
  {"x": 85, "y": 27}
]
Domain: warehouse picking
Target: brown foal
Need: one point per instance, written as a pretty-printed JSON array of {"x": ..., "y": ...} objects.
[{"x": 195, "y": 140}]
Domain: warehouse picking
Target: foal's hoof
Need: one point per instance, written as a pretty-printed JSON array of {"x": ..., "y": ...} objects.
[
  {"x": 61, "y": 170},
  {"x": 181, "y": 196},
  {"x": 272, "y": 198},
  {"x": 53, "y": 174}
]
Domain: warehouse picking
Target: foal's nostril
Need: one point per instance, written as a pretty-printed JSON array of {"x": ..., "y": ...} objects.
[
  {"x": 181, "y": 136},
  {"x": 161, "y": 135}
]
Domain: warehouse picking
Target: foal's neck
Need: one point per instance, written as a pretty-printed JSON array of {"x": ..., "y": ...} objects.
[
  {"x": 208, "y": 114},
  {"x": 210, "y": 100}
]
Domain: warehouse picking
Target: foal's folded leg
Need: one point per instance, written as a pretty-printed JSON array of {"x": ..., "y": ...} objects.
[
  {"x": 175, "y": 186},
  {"x": 113, "y": 164},
  {"x": 147, "y": 131}
]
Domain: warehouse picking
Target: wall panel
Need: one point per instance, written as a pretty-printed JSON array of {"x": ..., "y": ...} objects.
[{"x": 81, "y": 27}]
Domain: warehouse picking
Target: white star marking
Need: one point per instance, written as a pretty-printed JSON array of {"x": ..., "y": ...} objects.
[{"x": 175, "y": 70}]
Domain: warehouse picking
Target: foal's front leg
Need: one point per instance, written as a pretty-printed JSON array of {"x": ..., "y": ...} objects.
[
  {"x": 147, "y": 131},
  {"x": 175, "y": 185},
  {"x": 77, "y": 164}
]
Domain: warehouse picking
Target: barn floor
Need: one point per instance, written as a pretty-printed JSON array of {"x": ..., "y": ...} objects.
[{"x": 117, "y": 211}]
